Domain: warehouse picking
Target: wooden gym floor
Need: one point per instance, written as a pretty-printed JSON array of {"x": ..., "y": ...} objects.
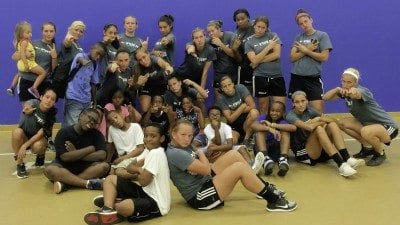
[{"x": 323, "y": 196}]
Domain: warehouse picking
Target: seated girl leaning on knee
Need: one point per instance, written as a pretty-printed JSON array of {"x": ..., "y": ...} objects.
[
  {"x": 318, "y": 137},
  {"x": 273, "y": 138}
]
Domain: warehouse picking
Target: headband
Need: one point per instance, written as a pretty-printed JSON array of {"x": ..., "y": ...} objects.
[{"x": 350, "y": 72}]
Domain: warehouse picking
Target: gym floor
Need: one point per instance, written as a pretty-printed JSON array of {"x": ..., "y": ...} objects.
[{"x": 323, "y": 196}]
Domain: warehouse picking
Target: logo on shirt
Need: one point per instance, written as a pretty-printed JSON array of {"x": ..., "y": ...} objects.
[
  {"x": 39, "y": 119},
  {"x": 235, "y": 105}
]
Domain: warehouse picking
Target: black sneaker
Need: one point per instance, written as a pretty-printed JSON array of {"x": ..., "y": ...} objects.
[
  {"x": 268, "y": 166},
  {"x": 364, "y": 153},
  {"x": 281, "y": 205},
  {"x": 275, "y": 190},
  {"x": 283, "y": 166},
  {"x": 99, "y": 201},
  {"x": 39, "y": 160},
  {"x": 21, "y": 171},
  {"x": 95, "y": 184},
  {"x": 376, "y": 160}
]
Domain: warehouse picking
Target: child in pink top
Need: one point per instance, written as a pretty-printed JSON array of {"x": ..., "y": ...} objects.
[{"x": 128, "y": 112}]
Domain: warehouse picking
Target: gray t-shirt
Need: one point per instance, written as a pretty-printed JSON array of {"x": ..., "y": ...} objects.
[
  {"x": 132, "y": 44},
  {"x": 367, "y": 110},
  {"x": 233, "y": 102},
  {"x": 300, "y": 136},
  {"x": 168, "y": 50},
  {"x": 257, "y": 44},
  {"x": 42, "y": 57},
  {"x": 178, "y": 161},
  {"x": 122, "y": 78},
  {"x": 307, "y": 66},
  {"x": 224, "y": 64},
  {"x": 32, "y": 123},
  {"x": 192, "y": 67},
  {"x": 176, "y": 101}
]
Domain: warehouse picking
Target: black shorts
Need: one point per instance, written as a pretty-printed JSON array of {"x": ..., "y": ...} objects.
[
  {"x": 237, "y": 125},
  {"x": 153, "y": 90},
  {"x": 74, "y": 168},
  {"x": 245, "y": 76},
  {"x": 301, "y": 155},
  {"x": 265, "y": 86},
  {"x": 24, "y": 84},
  {"x": 207, "y": 198},
  {"x": 392, "y": 131},
  {"x": 144, "y": 206},
  {"x": 274, "y": 149},
  {"x": 312, "y": 86}
]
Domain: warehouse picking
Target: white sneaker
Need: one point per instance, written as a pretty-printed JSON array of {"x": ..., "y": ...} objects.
[
  {"x": 258, "y": 162},
  {"x": 353, "y": 162},
  {"x": 346, "y": 170}
]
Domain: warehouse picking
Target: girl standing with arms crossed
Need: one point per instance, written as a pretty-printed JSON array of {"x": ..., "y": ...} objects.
[
  {"x": 244, "y": 30},
  {"x": 309, "y": 51},
  {"x": 264, "y": 51}
]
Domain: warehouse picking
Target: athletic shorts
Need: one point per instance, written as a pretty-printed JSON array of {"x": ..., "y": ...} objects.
[
  {"x": 245, "y": 76},
  {"x": 24, "y": 84},
  {"x": 74, "y": 168},
  {"x": 144, "y": 206},
  {"x": 273, "y": 149},
  {"x": 237, "y": 125},
  {"x": 301, "y": 155},
  {"x": 207, "y": 198},
  {"x": 312, "y": 86},
  {"x": 265, "y": 86},
  {"x": 393, "y": 132}
]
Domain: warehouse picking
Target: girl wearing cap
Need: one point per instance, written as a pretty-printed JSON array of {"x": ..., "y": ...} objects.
[
  {"x": 310, "y": 49},
  {"x": 371, "y": 125}
]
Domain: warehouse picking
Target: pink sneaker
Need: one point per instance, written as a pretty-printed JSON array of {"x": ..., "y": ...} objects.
[{"x": 34, "y": 92}]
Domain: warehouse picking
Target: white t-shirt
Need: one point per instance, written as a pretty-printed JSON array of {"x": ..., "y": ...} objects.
[
  {"x": 126, "y": 141},
  {"x": 158, "y": 189},
  {"x": 225, "y": 131}
]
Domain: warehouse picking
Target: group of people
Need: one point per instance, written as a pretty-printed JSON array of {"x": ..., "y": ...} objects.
[{"x": 105, "y": 134}]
